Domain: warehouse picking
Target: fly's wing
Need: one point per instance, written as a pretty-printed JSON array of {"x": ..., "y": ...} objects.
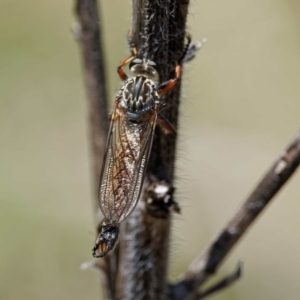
[{"x": 124, "y": 166}]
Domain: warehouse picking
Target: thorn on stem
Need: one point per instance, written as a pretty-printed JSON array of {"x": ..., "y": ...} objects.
[{"x": 224, "y": 283}]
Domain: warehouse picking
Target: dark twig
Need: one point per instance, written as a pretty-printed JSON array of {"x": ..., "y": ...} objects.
[
  {"x": 224, "y": 283},
  {"x": 206, "y": 264},
  {"x": 92, "y": 51},
  {"x": 89, "y": 34},
  {"x": 180, "y": 290}
]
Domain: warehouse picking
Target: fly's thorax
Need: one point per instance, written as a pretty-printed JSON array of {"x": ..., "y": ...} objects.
[{"x": 138, "y": 96}]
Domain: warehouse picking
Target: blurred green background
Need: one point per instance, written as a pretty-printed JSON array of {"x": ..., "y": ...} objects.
[{"x": 240, "y": 107}]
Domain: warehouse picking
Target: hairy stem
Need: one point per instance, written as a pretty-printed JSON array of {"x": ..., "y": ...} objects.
[{"x": 158, "y": 31}]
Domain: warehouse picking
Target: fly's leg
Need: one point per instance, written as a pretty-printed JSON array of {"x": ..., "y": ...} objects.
[
  {"x": 165, "y": 125},
  {"x": 163, "y": 88},
  {"x": 186, "y": 48},
  {"x": 131, "y": 43},
  {"x": 168, "y": 85},
  {"x": 133, "y": 50},
  {"x": 120, "y": 71}
]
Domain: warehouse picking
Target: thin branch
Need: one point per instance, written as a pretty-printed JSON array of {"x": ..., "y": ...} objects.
[
  {"x": 92, "y": 53},
  {"x": 89, "y": 35},
  {"x": 181, "y": 289},
  {"x": 207, "y": 263},
  {"x": 224, "y": 283}
]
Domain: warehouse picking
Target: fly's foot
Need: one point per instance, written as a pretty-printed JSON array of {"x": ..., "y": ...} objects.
[{"x": 193, "y": 49}]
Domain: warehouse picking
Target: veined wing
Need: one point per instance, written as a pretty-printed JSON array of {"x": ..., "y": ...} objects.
[{"x": 127, "y": 152}]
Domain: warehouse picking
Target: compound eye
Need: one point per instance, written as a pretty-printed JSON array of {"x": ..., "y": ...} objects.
[
  {"x": 136, "y": 61},
  {"x": 154, "y": 66}
]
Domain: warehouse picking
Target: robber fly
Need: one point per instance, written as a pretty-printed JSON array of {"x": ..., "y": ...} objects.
[{"x": 133, "y": 120}]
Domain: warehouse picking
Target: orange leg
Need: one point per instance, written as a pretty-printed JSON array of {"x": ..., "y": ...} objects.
[
  {"x": 120, "y": 71},
  {"x": 133, "y": 50},
  {"x": 165, "y": 125},
  {"x": 168, "y": 85},
  {"x": 131, "y": 43}
]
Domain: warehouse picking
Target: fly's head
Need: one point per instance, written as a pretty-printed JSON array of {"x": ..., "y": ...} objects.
[
  {"x": 139, "y": 93},
  {"x": 106, "y": 240},
  {"x": 145, "y": 67}
]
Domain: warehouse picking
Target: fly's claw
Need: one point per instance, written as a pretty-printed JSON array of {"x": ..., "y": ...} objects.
[{"x": 193, "y": 49}]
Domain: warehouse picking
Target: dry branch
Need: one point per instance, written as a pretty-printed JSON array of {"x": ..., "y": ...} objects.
[
  {"x": 89, "y": 36},
  {"x": 207, "y": 263}
]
